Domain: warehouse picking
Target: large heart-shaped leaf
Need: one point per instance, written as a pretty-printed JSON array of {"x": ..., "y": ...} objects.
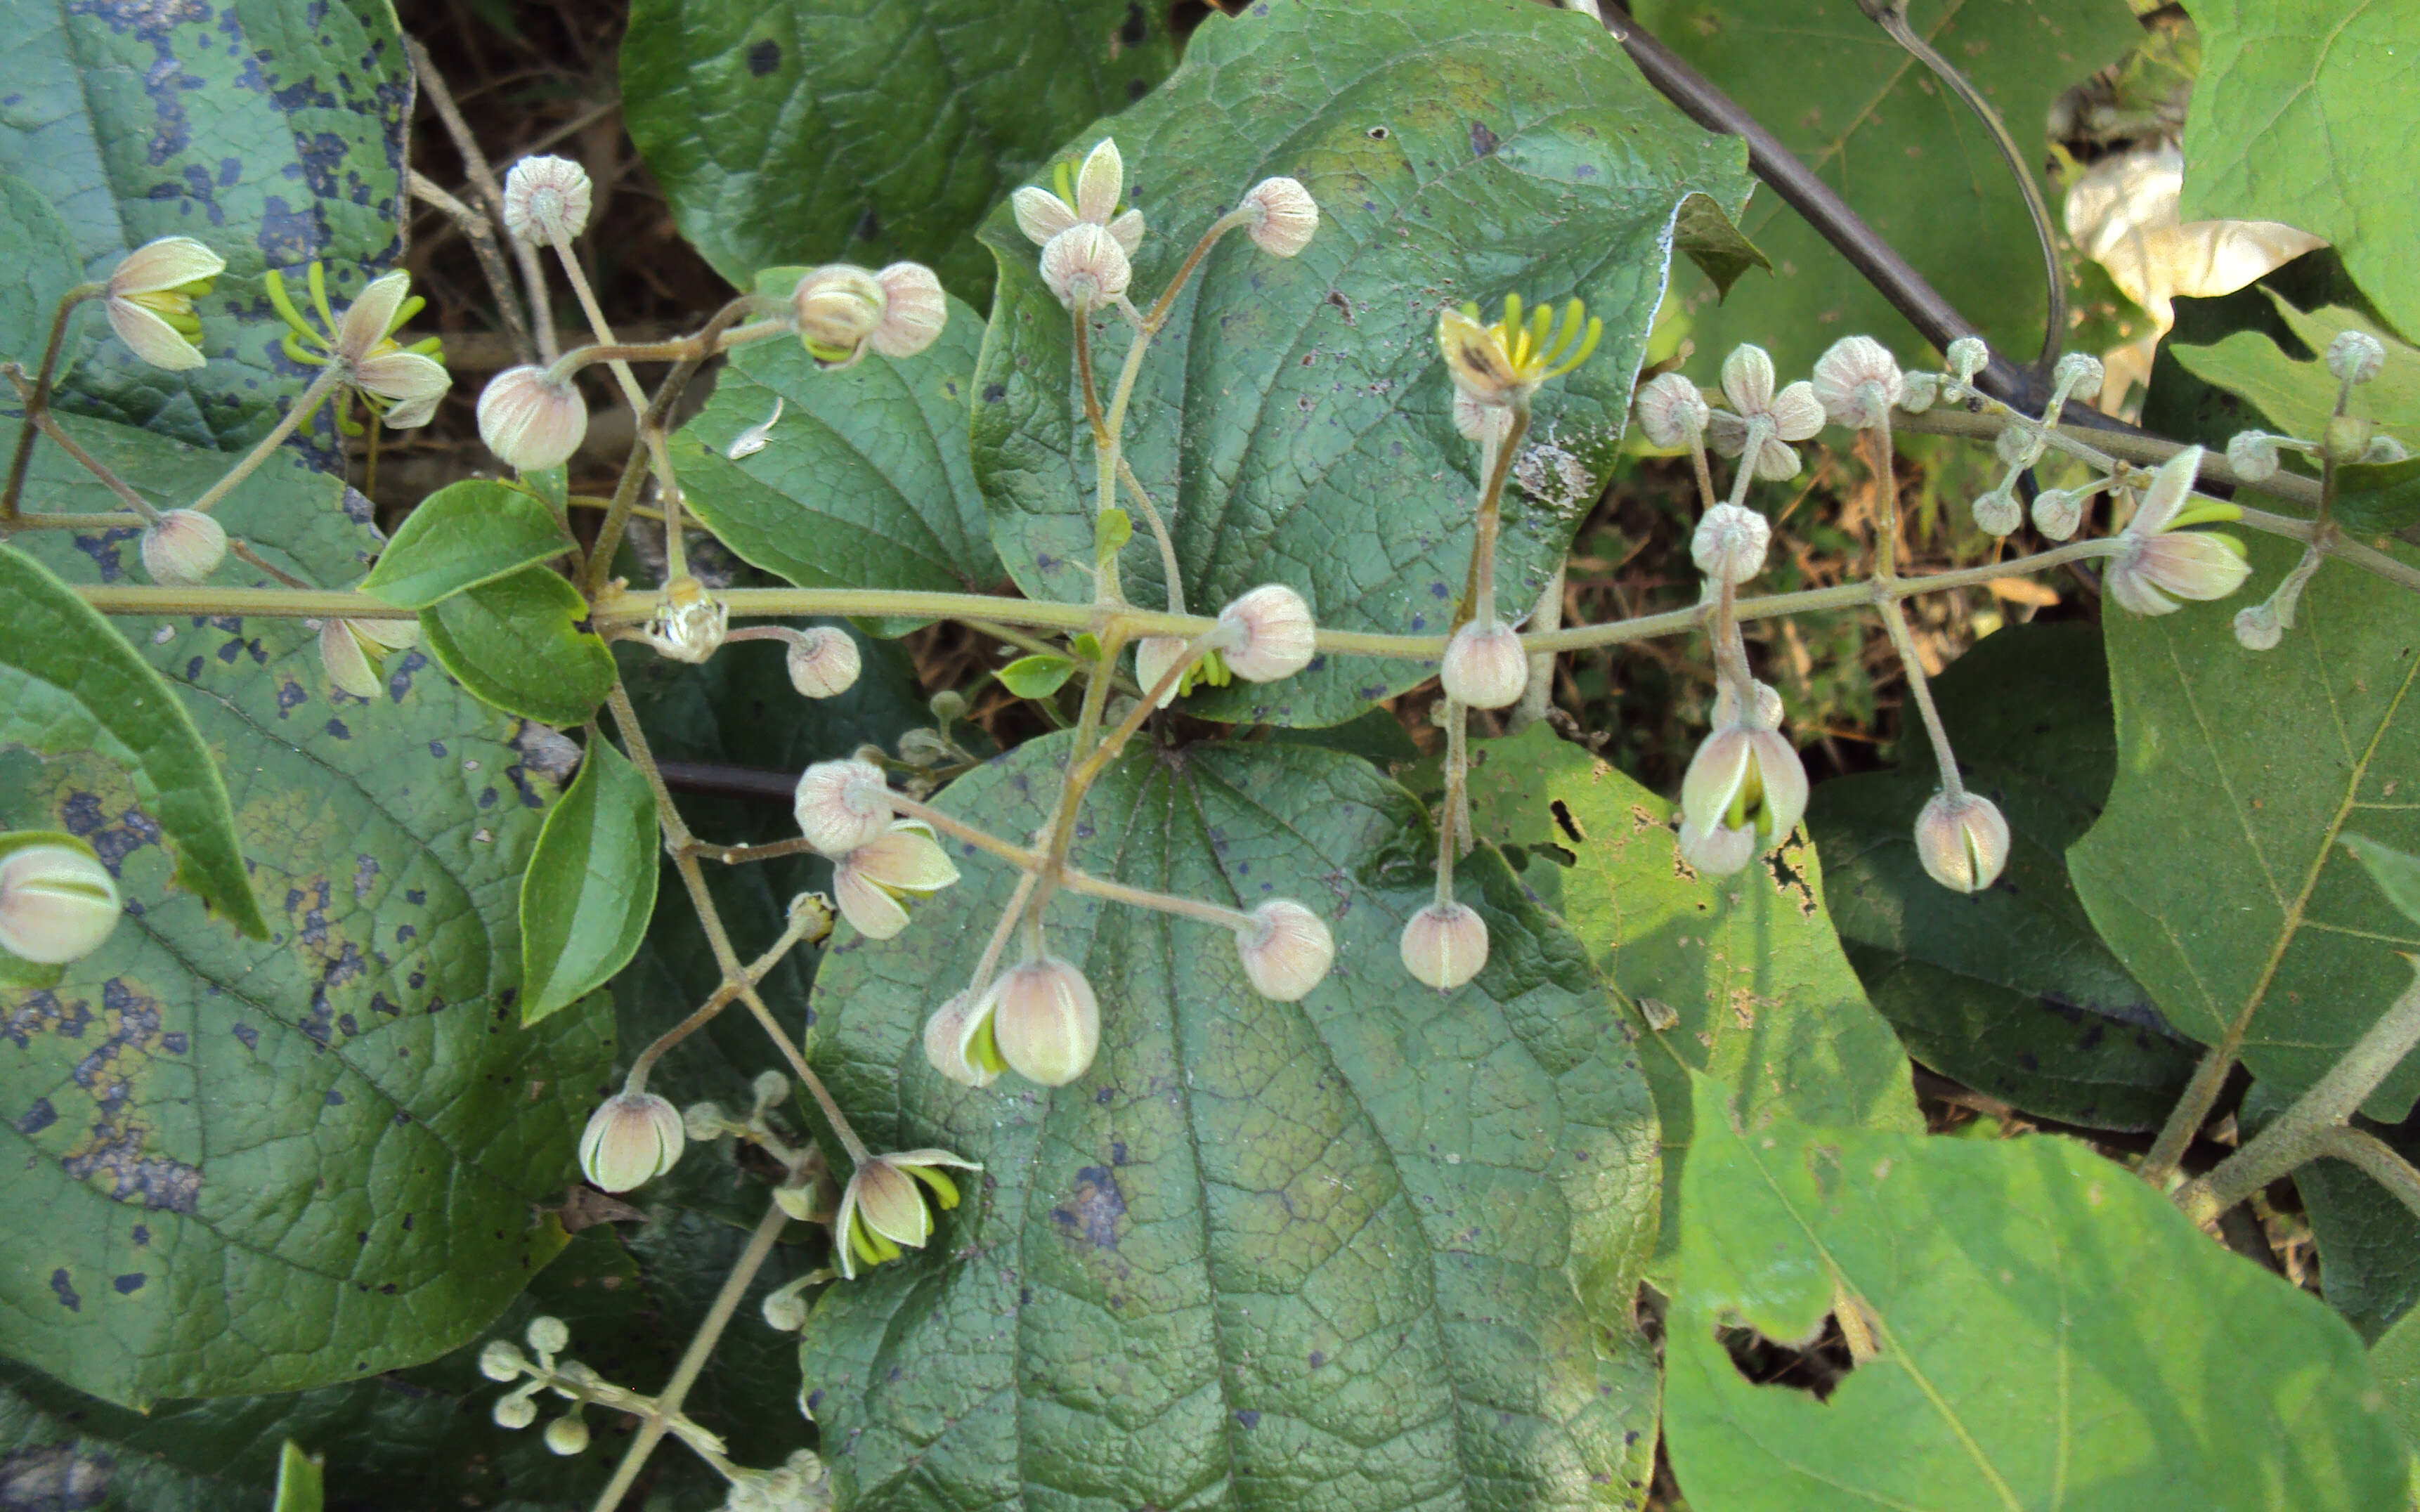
[
  {"x": 2049, "y": 1332},
  {"x": 2215, "y": 875},
  {"x": 258, "y": 1166},
  {"x": 1376, "y": 1247},
  {"x": 1293, "y": 419},
  {"x": 868, "y": 130},
  {"x": 273, "y": 131}
]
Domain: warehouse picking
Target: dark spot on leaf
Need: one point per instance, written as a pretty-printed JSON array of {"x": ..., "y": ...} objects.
[
  {"x": 763, "y": 58},
  {"x": 1484, "y": 142},
  {"x": 129, "y": 1285},
  {"x": 1135, "y": 31},
  {"x": 995, "y": 392},
  {"x": 336, "y": 727},
  {"x": 248, "y": 1035},
  {"x": 1096, "y": 1209},
  {"x": 869, "y": 226},
  {"x": 1245, "y": 1416},
  {"x": 1318, "y": 1358},
  {"x": 142, "y": 1234},
  {"x": 1135, "y": 89},
  {"x": 65, "y": 1288},
  {"x": 37, "y": 1118},
  {"x": 334, "y": 1099}
]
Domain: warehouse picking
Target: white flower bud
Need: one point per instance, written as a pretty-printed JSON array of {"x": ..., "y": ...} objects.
[
  {"x": 1444, "y": 946},
  {"x": 1858, "y": 382},
  {"x": 843, "y": 805},
  {"x": 960, "y": 1047},
  {"x": 2020, "y": 446},
  {"x": 2252, "y": 454},
  {"x": 1968, "y": 356},
  {"x": 1274, "y": 634},
  {"x": 1962, "y": 842},
  {"x": 530, "y": 421},
  {"x": 703, "y": 1121},
  {"x": 1919, "y": 391},
  {"x": 1286, "y": 951},
  {"x": 184, "y": 548},
  {"x": 57, "y": 904},
  {"x": 767, "y": 1087},
  {"x": 1284, "y": 216},
  {"x": 838, "y": 309},
  {"x": 1730, "y": 543},
  {"x": 1084, "y": 266},
  {"x": 568, "y": 1435},
  {"x": 1485, "y": 665},
  {"x": 824, "y": 662},
  {"x": 515, "y": 1411},
  {"x": 631, "y": 1138},
  {"x": 2357, "y": 356},
  {"x": 1748, "y": 380},
  {"x": 2079, "y": 373},
  {"x": 784, "y": 1310},
  {"x": 501, "y": 1361},
  {"x": 2058, "y": 512},
  {"x": 2259, "y": 628},
  {"x": 546, "y": 198},
  {"x": 2346, "y": 439},
  {"x": 1045, "y": 1019},
  {"x": 548, "y": 1336},
  {"x": 1998, "y": 513},
  {"x": 914, "y": 311},
  {"x": 1672, "y": 411}
]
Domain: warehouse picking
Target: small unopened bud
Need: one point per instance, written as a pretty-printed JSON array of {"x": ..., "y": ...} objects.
[
  {"x": 1286, "y": 950},
  {"x": 57, "y": 904},
  {"x": 1485, "y": 665},
  {"x": 546, "y": 198},
  {"x": 2252, "y": 454},
  {"x": 2384, "y": 450},
  {"x": 2020, "y": 446},
  {"x": 703, "y": 1121},
  {"x": 767, "y": 1089},
  {"x": 1962, "y": 842},
  {"x": 548, "y": 1336},
  {"x": 1858, "y": 382},
  {"x": 1730, "y": 543},
  {"x": 1998, "y": 513},
  {"x": 568, "y": 1435},
  {"x": 515, "y": 1411},
  {"x": 824, "y": 662},
  {"x": 1444, "y": 945},
  {"x": 1045, "y": 1019},
  {"x": 631, "y": 1138},
  {"x": 1284, "y": 216},
  {"x": 1274, "y": 634},
  {"x": 2058, "y": 512},
  {"x": 1967, "y": 357},
  {"x": 838, "y": 309},
  {"x": 2079, "y": 373},
  {"x": 2357, "y": 356},
  {"x": 1672, "y": 411},
  {"x": 843, "y": 805},
  {"x": 784, "y": 1310},
  {"x": 501, "y": 1361},
  {"x": 2346, "y": 439},
  {"x": 184, "y": 548},
  {"x": 914, "y": 310},
  {"x": 2259, "y": 628},
  {"x": 1084, "y": 266},
  {"x": 530, "y": 421},
  {"x": 1921, "y": 391}
]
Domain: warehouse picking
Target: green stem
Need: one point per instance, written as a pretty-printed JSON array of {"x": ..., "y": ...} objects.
[
  {"x": 1920, "y": 692},
  {"x": 39, "y": 400},
  {"x": 320, "y": 386}
]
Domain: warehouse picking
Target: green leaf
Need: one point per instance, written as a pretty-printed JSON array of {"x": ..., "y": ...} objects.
[
  {"x": 246, "y": 1166},
  {"x": 301, "y": 1486},
  {"x": 863, "y": 481},
  {"x": 2368, "y": 1241},
  {"x": 272, "y": 132},
  {"x": 591, "y": 886},
  {"x": 515, "y": 644},
  {"x": 2396, "y": 873},
  {"x": 1714, "y": 244},
  {"x": 2299, "y": 396},
  {"x": 2214, "y": 876},
  {"x": 1738, "y": 977},
  {"x": 2380, "y": 499},
  {"x": 1384, "y": 1238},
  {"x": 462, "y": 535},
  {"x": 2299, "y": 116},
  {"x": 1906, "y": 155},
  {"x": 69, "y": 684},
  {"x": 1292, "y": 421},
  {"x": 2395, "y": 1359},
  {"x": 2051, "y": 1333},
  {"x": 1036, "y": 677},
  {"x": 868, "y": 130},
  {"x": 40, "y": 255},
  {"x": 2009, "y": 991}
]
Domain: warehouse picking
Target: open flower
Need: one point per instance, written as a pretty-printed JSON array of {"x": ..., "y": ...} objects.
[
  {"x": 400, "y": 384},
  {"x": 689, "y": 624},
  {"x": 2161, "y": 558},
  {"x": 149, "y": 299},
  {"x": 1089, "y": 196},
  {"x": 1500, "y": 365},
  {"x": 1776, "y": 419},
  {"x": 882, "y": 1208},
  {"x": 353, "y": 651},
  {"x": 905, "y": 861},
  {"x": 1745, "y": 788}
]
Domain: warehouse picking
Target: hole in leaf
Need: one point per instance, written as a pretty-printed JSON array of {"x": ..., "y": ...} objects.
[
  {"x": 1564, "y": 822},
  {"x": 1816, "y": 1367}
]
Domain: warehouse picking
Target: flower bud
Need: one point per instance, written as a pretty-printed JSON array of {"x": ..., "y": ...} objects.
[
  {"x": 530, "y": 421},
  {"x": 1084, "y": 266},
  {"x": 838, "y": 309},
  {"x": 1284, "y": 216},
  {"x": 904, "y": 861},
  {"x": 914, "y": 310},
  {"x": 548, "y": 1336},
  {"x": 1998, "y": 513},
  {"x": 767, "y": 1087},
  {"x": 1967, "y": 357},
  {"x": 2020, "y": 446},
  {"x": 546, "y": 199},
  {"x": 1730, "y": 543},
  {"x": 1286, "y": 950},
  {"x": 1444, "y": 945},
  {"x": 2357, "y": 356},
  {"x": 1485, "y": 665},
  {"x": 501, "y": 1361},
  {"x": 703, "y": 1121},
  {"x": 631, "y": 1138},
  {"x": 1045, "y": 1019},
  {"x": 1274, "y": 634},
  {"x": 843, "y": 805},
  {"x": 58, "y": 903},
  {"x": 824, "y": 662},
  {"x": 1962, "y": 842},
  {"x": 568, "y": 1435},
  {"x": 515, "y": 1411},
  {"x": 184, "y": 548},
  {"x": 1858, "y": 382},
  {"x": 2384, "y": 450},
  {"x": 2346, "y": 439},
  {"x": 784, "y": 1310},
  {"x": 962, "y": 1046},
  {"x": 1672, "y": 411},
  {"x": 2252, "y": 454},
  {"x": 2079, "y": 373},
  {"x": 2259, "y": 628},
  {"x": 1919, "y": 391},
  {"x": 2058, "y": 512}
]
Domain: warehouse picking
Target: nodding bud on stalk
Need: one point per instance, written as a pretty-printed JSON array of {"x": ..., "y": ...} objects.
[
  {"x": 1962, "y": 842},
  {"x": 183, "y": 547},
  {"x": 2058, "y": 512},
  {"x": 1918, "y": 392},
  {"x": 1967, "y": 357},
  {"x": 1745, "y": 789},
  {"x": 2259, "y": 628},
  {"x": 913, "y": 313},
  {"x": 1485, "y": 665},
  {"x": 824, "y": 662},
  {"x": 843, "y": 805},
  {"x": 2357, "y": 356},
  {"x": 57, "y": 902},
  {"x": 633, "y": 1139},
  {"x": 1730, "y": 543},
  {"x": 1274, "y": 634},
  {"x": 149, "y": 300},
  {"x": 1444, "y": 945},
  {"x": 1045, "y": 1020},
  {"x": 531, "y": 420},
  {"x": 1085, "y": 266},
  {"x": 882, "y": 1208},
  {"x": 2080, "y": 372},
  {"x": 961, "y": 1047},
  {"x": 2252, "y": 454},
  {"x": 1286, "y": 950},
  {"x": 1858, "y": 382},
  {"x": 1284, "y": 216},
  {"x": 568, "y": 1435},
  {"x": 545, "y": 198},
  {"x": 1672, "y": 411},
  {"x": 1998, "y": 513}
]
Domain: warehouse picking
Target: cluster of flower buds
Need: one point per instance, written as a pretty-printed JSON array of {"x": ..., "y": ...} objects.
[
  {"x": 57, "y": 902},
  {"x": 399, "y": 383},
  {"x": 568, "y": 1434},
  {"x": 1088, "y": 243},
  {"x": 802, "y": 1485}
]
